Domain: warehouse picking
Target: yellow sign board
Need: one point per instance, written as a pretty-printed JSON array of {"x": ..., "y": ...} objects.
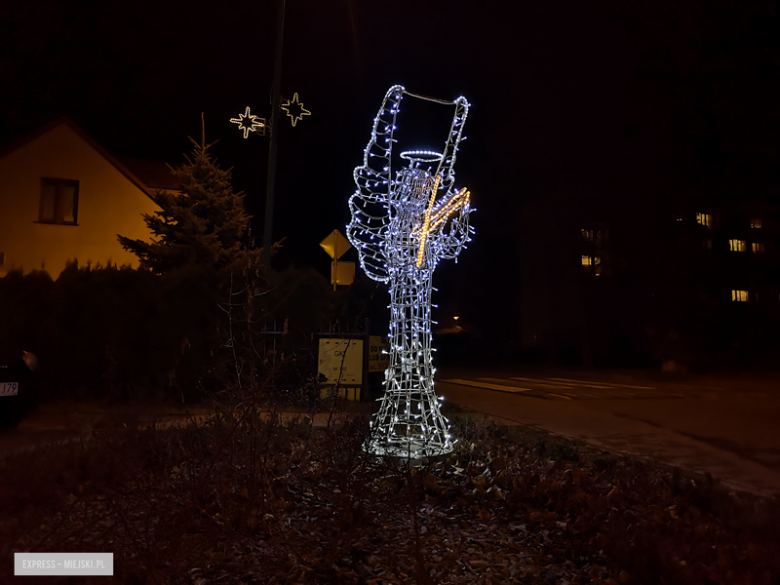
[
  {"x": 342, "y": 273},
  {"x": 378, "y": 353},
  {"x": 335, "y": 244},
  {"x": 341, "y": 360}
]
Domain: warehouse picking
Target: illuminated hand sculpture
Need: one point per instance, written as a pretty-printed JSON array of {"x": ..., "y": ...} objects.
[{"x": 402, "y": 226}]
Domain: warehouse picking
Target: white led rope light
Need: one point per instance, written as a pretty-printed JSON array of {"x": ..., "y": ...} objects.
[
  {"x": 421, "y": 155},
  {"x": 401, "y": 232}
]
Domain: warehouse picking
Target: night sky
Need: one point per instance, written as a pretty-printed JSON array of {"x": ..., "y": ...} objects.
[{"x": 603, "y": 100}]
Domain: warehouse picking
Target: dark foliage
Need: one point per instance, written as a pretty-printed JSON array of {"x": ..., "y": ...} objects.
[
  {"x": 114, "y": 333},
  {"x": 205, "y": 225},
  {"x": 122, "y": 334},
  {"x": 252, "y": 497}
]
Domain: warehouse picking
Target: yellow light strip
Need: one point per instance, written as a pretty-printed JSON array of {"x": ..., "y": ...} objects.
[
  {"x": 427, "y": 222},
  {"x": 459, "y": 200},
  {"x": 452, "y": 205}
]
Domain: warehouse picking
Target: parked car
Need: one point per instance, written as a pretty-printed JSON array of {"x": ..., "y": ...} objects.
[{"x": 18, "y": 385}]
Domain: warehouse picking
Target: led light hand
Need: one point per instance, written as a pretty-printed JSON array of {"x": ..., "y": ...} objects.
[{"x": 447, "y": 243}]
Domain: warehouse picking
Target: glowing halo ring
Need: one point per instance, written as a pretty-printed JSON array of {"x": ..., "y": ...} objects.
[{"x": 423, "y": 156}]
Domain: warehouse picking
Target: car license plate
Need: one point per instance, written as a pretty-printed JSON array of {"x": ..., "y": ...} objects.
[{"x": 9, "y": 388}]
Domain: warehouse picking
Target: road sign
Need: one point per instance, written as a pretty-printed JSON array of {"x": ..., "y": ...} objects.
[
  {"x": 341, "y": 362},
  {"x": 378, "y": 353},
  {"x": 342, "y": 273},
  {"x": 335, "y": 245}
]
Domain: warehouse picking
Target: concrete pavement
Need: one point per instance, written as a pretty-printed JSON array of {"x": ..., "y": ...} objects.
[{"x": 729, "y": 430}]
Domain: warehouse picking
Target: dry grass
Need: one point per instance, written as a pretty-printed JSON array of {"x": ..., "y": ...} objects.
[{"x": 245, "y": 498}]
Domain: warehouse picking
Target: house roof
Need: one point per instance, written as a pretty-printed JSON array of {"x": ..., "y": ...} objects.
[
  {"x": 154, "y": 174},
  {"x": 65, "y": 121}
]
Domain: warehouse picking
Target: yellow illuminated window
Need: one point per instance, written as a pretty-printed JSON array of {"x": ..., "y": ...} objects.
[
  {"x": 755, "y": 224},
  {"x": 737, "y": 245},
  {"x": 588, "y": 260},
  {"x": 587, "y": 235},
  {"x": 758, "y": 248},
  {"x": 739, "y": 296},
  {"x": 59, "y": 201},
  {"x": 704, "y": 219}
]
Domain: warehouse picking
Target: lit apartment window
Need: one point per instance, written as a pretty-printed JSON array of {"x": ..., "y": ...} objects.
[
  {"x": 704, "y": 219},
  {"x": 59, "y": 201},
  {"x": 590, "y": 260},
  {"x": 739, "y": 296},
  {"x": 758, "y": 248},
  {"x": 587, "y": 235},
  {"x": 737, "y": 245},
  {"x": 755, "y": 224}
]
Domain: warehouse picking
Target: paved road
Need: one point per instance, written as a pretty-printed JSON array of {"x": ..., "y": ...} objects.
[{"x": 729, "y": 427}]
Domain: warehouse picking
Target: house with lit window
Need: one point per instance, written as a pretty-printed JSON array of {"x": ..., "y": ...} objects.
[
  {"x": 739, "y": 239},
  {"x": 687, "y": 281},
  {"x": 63, "y": 197}
]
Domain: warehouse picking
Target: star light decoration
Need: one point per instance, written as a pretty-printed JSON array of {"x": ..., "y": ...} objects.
[
  {"x": 248, "y": 122},
  {"x": 401, "y": 228},
  {"x": 294, "y": 118}
]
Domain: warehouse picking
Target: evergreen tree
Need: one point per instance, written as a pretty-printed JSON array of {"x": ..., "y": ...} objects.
[{"x": 205, "y": 225}]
